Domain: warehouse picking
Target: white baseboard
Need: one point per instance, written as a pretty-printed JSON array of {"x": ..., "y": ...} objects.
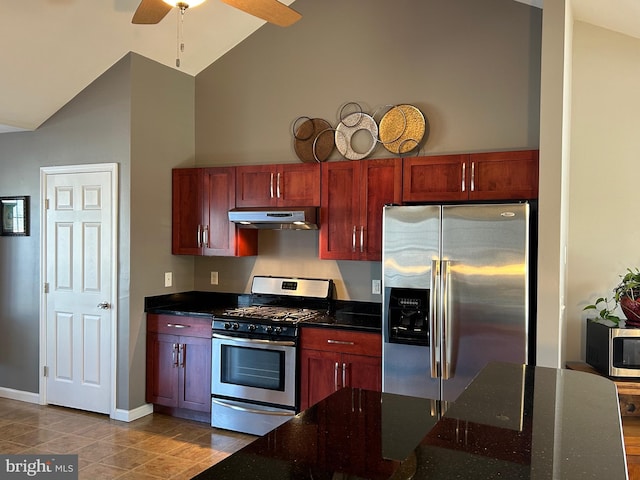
[
  {"x": 119, "y": 414},
  {"x": 12, "y": 394},
  {"x": 131, "y": 415}
]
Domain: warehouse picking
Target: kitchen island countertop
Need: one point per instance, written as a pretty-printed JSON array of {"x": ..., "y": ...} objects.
[{"x": 512, "y": 422}]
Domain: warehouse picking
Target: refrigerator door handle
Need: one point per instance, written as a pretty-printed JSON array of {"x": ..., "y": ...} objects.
[
  {"x": 433, "y": 311},
  {"x": 446, "y": 333}
]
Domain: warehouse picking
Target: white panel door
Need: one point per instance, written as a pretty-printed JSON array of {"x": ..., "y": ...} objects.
[{"x": 79, "y": 318}]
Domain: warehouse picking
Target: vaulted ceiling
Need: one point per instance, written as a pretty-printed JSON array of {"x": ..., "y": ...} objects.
[{"x": 52, "y": 49}]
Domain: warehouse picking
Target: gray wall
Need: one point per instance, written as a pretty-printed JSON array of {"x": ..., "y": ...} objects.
[
  {"x": 162, "y": 137},
  {"x": 93, "y": 128},
  {"x": 138, "y": 114},
  {"x": 473, "y": 69}
]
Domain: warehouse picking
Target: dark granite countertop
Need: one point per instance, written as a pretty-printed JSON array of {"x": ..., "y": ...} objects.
[
  {"x": 364, "y": 316},
  {"x": 512, "y": 422}
]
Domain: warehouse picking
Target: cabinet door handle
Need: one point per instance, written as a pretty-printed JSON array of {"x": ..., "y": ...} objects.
[
  {"x": 335, "y": 376},
  {"x": 177, "y": 325},
  {"x": 199, "y": 236},
  {"x": 340, "y": 342},
  {"x": 473, "y": 176},
  {"x": 344, "y": 374},
  {"x": 205, "y": 236},
  {"x": 181, "y": 349},
  {"x": 464, "y": 172},
  {"x": 353, "y": 239},
  {"x": 361, "y": 238},
  {"x": 174, "y": 354},
  {"x": 278, "y": 187},
  {"x": 271, "y": 186}
]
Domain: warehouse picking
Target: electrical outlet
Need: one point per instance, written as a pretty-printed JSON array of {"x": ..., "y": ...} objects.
[
  {"x": 168, "y": 279},
  {"x": 214, "y": 278},
  {"x": 375, "y": 287}
]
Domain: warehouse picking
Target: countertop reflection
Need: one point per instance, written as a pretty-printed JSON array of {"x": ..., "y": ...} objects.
[{"x": 512, "y": 422}]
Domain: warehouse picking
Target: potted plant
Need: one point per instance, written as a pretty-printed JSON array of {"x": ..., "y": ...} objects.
[
  {"x": 627, "y": 295},
  {"x": 604, "y": 307}
]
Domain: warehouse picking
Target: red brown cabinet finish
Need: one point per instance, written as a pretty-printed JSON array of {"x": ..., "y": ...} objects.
[
  {"x": 179, "y": 365},
  {"x": 202, "y": 198},
  {"x": 331, "y": 359},
  {"x": 504, "y": 175},
  {"x": 477, "y": 176},
  {"x": 353, "y": 195},
  {"x": 280, "y": 185}
]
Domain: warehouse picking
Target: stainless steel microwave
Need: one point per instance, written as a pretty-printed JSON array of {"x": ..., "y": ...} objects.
[{"x": 614, "y": 352}]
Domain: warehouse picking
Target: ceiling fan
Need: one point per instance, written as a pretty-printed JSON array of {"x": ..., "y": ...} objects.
[{"x": 272, "y": 11}]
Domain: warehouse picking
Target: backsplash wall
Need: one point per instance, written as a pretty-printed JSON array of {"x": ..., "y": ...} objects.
[{"x": 288, "y": 253}]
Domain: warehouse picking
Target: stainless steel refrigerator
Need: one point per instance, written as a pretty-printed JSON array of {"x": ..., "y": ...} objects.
[{"x": 456, "y": 293}]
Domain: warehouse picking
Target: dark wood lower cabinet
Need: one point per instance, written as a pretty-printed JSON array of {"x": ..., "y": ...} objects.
[
  {"x": 179, "y": 365},
  {"x": 162, "y": 374},
  {"x": 331, "y": 359}
]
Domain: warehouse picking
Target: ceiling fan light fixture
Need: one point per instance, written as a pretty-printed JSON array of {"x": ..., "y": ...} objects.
[{"x": 187, "y": 4}]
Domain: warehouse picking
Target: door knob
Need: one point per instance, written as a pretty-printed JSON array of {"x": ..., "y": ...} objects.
[{"x": 104, "y": 306}]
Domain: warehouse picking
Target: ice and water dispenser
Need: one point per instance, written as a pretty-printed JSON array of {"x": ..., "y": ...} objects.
[{"x": 408, "y": 316}]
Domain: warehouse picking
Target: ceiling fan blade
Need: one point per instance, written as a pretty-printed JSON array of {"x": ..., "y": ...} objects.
[
  {"x": 150, "y": 12},
  {"x": 270, "y": 10}
]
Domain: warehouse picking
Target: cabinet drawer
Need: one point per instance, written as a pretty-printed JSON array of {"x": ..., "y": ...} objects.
[
  {"x": 179, "y": 325},
  {"x": 343, "y": 341}
]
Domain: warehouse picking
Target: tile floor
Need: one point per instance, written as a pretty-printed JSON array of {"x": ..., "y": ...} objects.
[{"x": 152, "y": 447}]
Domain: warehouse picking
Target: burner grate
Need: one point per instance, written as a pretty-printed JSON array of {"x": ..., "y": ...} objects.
[{"x": 275, "y": 314}]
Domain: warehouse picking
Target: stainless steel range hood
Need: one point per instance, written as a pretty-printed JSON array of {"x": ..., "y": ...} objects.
[{"x": 294, "y": 218}]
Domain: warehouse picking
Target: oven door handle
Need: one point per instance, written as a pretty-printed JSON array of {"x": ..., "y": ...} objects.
[
  {"x": 253, "y": 410},
  {"x": 255, "y": 340}
]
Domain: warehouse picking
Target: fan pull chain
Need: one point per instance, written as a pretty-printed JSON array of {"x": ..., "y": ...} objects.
[{"x": 180, "y": 39}]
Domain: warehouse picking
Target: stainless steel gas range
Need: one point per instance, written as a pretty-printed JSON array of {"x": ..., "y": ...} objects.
[{"x": 254, "y": 353}]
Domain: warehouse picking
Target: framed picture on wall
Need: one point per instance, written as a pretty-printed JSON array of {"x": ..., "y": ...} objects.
[{"x": 15, "y": 216}]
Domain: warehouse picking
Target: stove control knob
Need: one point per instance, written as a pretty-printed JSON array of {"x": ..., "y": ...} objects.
[
  {"x": 277, "y": 330},
  {"x": 269, "y": 329},
  {"x": 227, "y": 325},
  {"x": 252, "y": 327},
  {"x": 235, "y": 326}
]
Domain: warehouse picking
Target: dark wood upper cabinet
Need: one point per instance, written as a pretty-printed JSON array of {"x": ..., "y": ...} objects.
[
  {"x": 353, "y": 195},
  {"x": 202, "y": 198},
  {"x": 187, "y": 211},
  {"x": 476, "y": 176},
  {"x": 281, "y": 185},
  {"x": 439, "y": 178},
  {"x": 504, "y": 175}
]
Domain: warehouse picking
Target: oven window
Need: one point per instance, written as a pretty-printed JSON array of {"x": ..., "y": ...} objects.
[{"x": 252, "y": 367}]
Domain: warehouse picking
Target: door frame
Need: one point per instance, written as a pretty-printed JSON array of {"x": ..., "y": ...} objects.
[{"x": 111, "y": 168}]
